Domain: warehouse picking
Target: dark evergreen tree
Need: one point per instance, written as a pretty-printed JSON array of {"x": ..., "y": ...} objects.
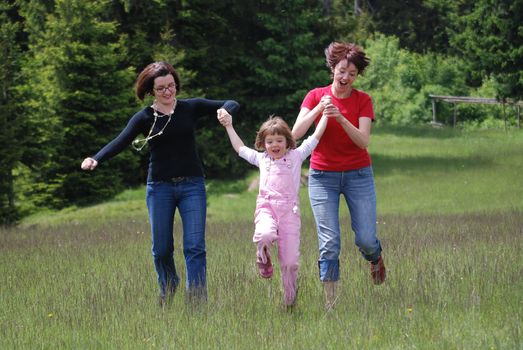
[
  {"x": 82, "y": 100},
  {"x": 287, "y": 58},
  {"x": 37, "y": 98},
  {"x": 263, "y": 54},
  {"x": 11, "y": 121},
  {"x": 144, "y": 24},
  {"x": 350, "y": 20},
  {"x": 488, "y": 34},
  {"x": 419, "y": 25},
  {"x": 150, "y": 36}
]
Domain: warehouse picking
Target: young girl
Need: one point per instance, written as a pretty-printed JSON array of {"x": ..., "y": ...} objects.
[{"x": 277, "y": 216}]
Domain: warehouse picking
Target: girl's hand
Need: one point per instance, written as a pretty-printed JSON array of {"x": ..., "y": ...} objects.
[
  {"x": 224, "y": 117},
  {"x": 325, "y": 102},
  {"x": 89, "y": 164}
]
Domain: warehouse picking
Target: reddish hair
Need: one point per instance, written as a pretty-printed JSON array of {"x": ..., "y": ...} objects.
[
  {"x": 338, "y": 51},
  {"x": 274, "y": 126},
  {"x": 145, "y": 82}
]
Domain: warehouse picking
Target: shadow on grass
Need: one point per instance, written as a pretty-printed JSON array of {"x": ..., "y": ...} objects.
[
  {"x": 459, "y": 230},
  {"x": 384, "y": 165},
  {"x": 74, "y": 234},
  {"x": 423, "y": 131}
]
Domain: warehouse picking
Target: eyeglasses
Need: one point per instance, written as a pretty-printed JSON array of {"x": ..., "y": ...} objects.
[{"x": 162, "y": 89}]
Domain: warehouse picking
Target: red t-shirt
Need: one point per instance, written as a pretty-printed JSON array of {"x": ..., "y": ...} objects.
[{"x": 336, "y": 151}]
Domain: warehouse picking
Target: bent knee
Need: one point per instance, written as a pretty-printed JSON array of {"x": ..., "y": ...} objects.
[{"x": 367, "y": 245}]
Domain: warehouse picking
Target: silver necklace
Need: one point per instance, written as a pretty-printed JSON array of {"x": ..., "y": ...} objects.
[{"x": 139, "y": 144}]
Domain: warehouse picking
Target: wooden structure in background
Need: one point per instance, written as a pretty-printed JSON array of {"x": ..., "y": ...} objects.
[{"x": 481, "y": 100}]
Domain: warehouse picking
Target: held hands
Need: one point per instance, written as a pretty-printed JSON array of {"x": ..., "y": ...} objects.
[
  {"x": 331, "y": 111},
  {"x": 224, "y": 117},
  {"x": 325, "y": 101},
  {"x": 89, "y": 164},
  {"x": 226, "y": 120}
]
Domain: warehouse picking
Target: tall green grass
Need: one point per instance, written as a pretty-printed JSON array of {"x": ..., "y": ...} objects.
[
  {"x": 447, "y": 171},
  {"x": 84, "y": 278},
  {"x": 454, "y": 282}
]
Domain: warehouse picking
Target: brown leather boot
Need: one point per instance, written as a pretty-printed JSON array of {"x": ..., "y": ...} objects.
[{"x": 378, "y": 271}]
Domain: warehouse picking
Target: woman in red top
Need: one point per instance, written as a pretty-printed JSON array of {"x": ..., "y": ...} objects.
[{"x": 340, "y": 164}]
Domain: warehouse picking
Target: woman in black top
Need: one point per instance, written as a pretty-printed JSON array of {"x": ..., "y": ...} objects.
[{"x": 175, "y": 176}]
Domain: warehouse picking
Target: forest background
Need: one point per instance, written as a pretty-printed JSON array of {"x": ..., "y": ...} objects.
[{"x": 67, "y": 69}]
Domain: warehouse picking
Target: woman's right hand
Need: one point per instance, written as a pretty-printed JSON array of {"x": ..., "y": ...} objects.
[
  {"x": 224, "y": 117},
  {"x": 89, "y": 164}
]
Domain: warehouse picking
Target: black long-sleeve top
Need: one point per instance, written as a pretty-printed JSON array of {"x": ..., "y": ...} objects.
[{"x": 173, "y": 153}]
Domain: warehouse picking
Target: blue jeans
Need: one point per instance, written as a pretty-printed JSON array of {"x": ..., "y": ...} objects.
[
  {"x": 357, "y": 187},
  {"x": 188, "y": 195}
]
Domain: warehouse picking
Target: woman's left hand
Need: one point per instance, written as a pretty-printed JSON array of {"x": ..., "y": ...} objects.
[{"x": 331, "y": 111}]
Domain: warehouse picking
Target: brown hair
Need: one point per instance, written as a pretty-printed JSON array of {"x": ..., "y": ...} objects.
[
  {"x": 338, "y": 51},
  {"x": 274, "y": 126},
  {"x": 145, "y": 82}
]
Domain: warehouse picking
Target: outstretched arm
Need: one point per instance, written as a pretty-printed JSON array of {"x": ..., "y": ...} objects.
[
  {"x": 307, "y": 116},
  {"x": 226, "y": 120},
  {"x": 320, "y": 128},
  {"x": 118, "y": 144}
]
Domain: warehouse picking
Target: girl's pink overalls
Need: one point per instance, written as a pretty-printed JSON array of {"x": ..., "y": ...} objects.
[{"x": 277, "y": 215}]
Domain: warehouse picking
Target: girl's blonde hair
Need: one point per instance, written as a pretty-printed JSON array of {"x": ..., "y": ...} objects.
[{"x": 274, "y": 126}]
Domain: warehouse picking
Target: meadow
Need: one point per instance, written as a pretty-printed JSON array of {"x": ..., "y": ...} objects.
[{"x": 450, "y": 217}]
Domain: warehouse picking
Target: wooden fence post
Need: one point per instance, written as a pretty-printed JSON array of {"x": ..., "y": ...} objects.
[
  {"x": 519, "y": 117},
  {"x": 433, "y": 111},
  {"x": 454, "y": 116},
  {"x": 504, "y": 116}
]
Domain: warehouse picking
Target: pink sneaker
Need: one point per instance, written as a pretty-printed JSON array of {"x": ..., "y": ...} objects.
[{"x": 265, "y": 269}]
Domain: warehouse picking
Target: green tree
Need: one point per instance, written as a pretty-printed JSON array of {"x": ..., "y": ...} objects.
[
  {"x": 420, "y": 26},
  {"x": 288, "y": 58},
  {"x": 145, "y": 25},
  {"x": 37, "y": 92},
  {"x": 11, "y": 132},
  {"x": 264, "y": 54},
  {"x": 349, "y": 24},
  {"x": 149, "y": 29},
  {"x": 488, "y": 34},
  {"x": 82, "y": 98},
  {"x": 400, "y": 81}
]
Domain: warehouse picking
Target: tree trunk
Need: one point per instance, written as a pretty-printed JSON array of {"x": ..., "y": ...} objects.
[{"x": 327, "y": 7}]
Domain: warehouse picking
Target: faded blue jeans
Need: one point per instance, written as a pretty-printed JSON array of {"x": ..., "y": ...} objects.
[
  {"x": 357, "y": 187},
  {"x": 188, "y": 195}
]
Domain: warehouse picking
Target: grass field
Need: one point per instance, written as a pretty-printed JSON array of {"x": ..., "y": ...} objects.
[{"x": 450, "y": 219}]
